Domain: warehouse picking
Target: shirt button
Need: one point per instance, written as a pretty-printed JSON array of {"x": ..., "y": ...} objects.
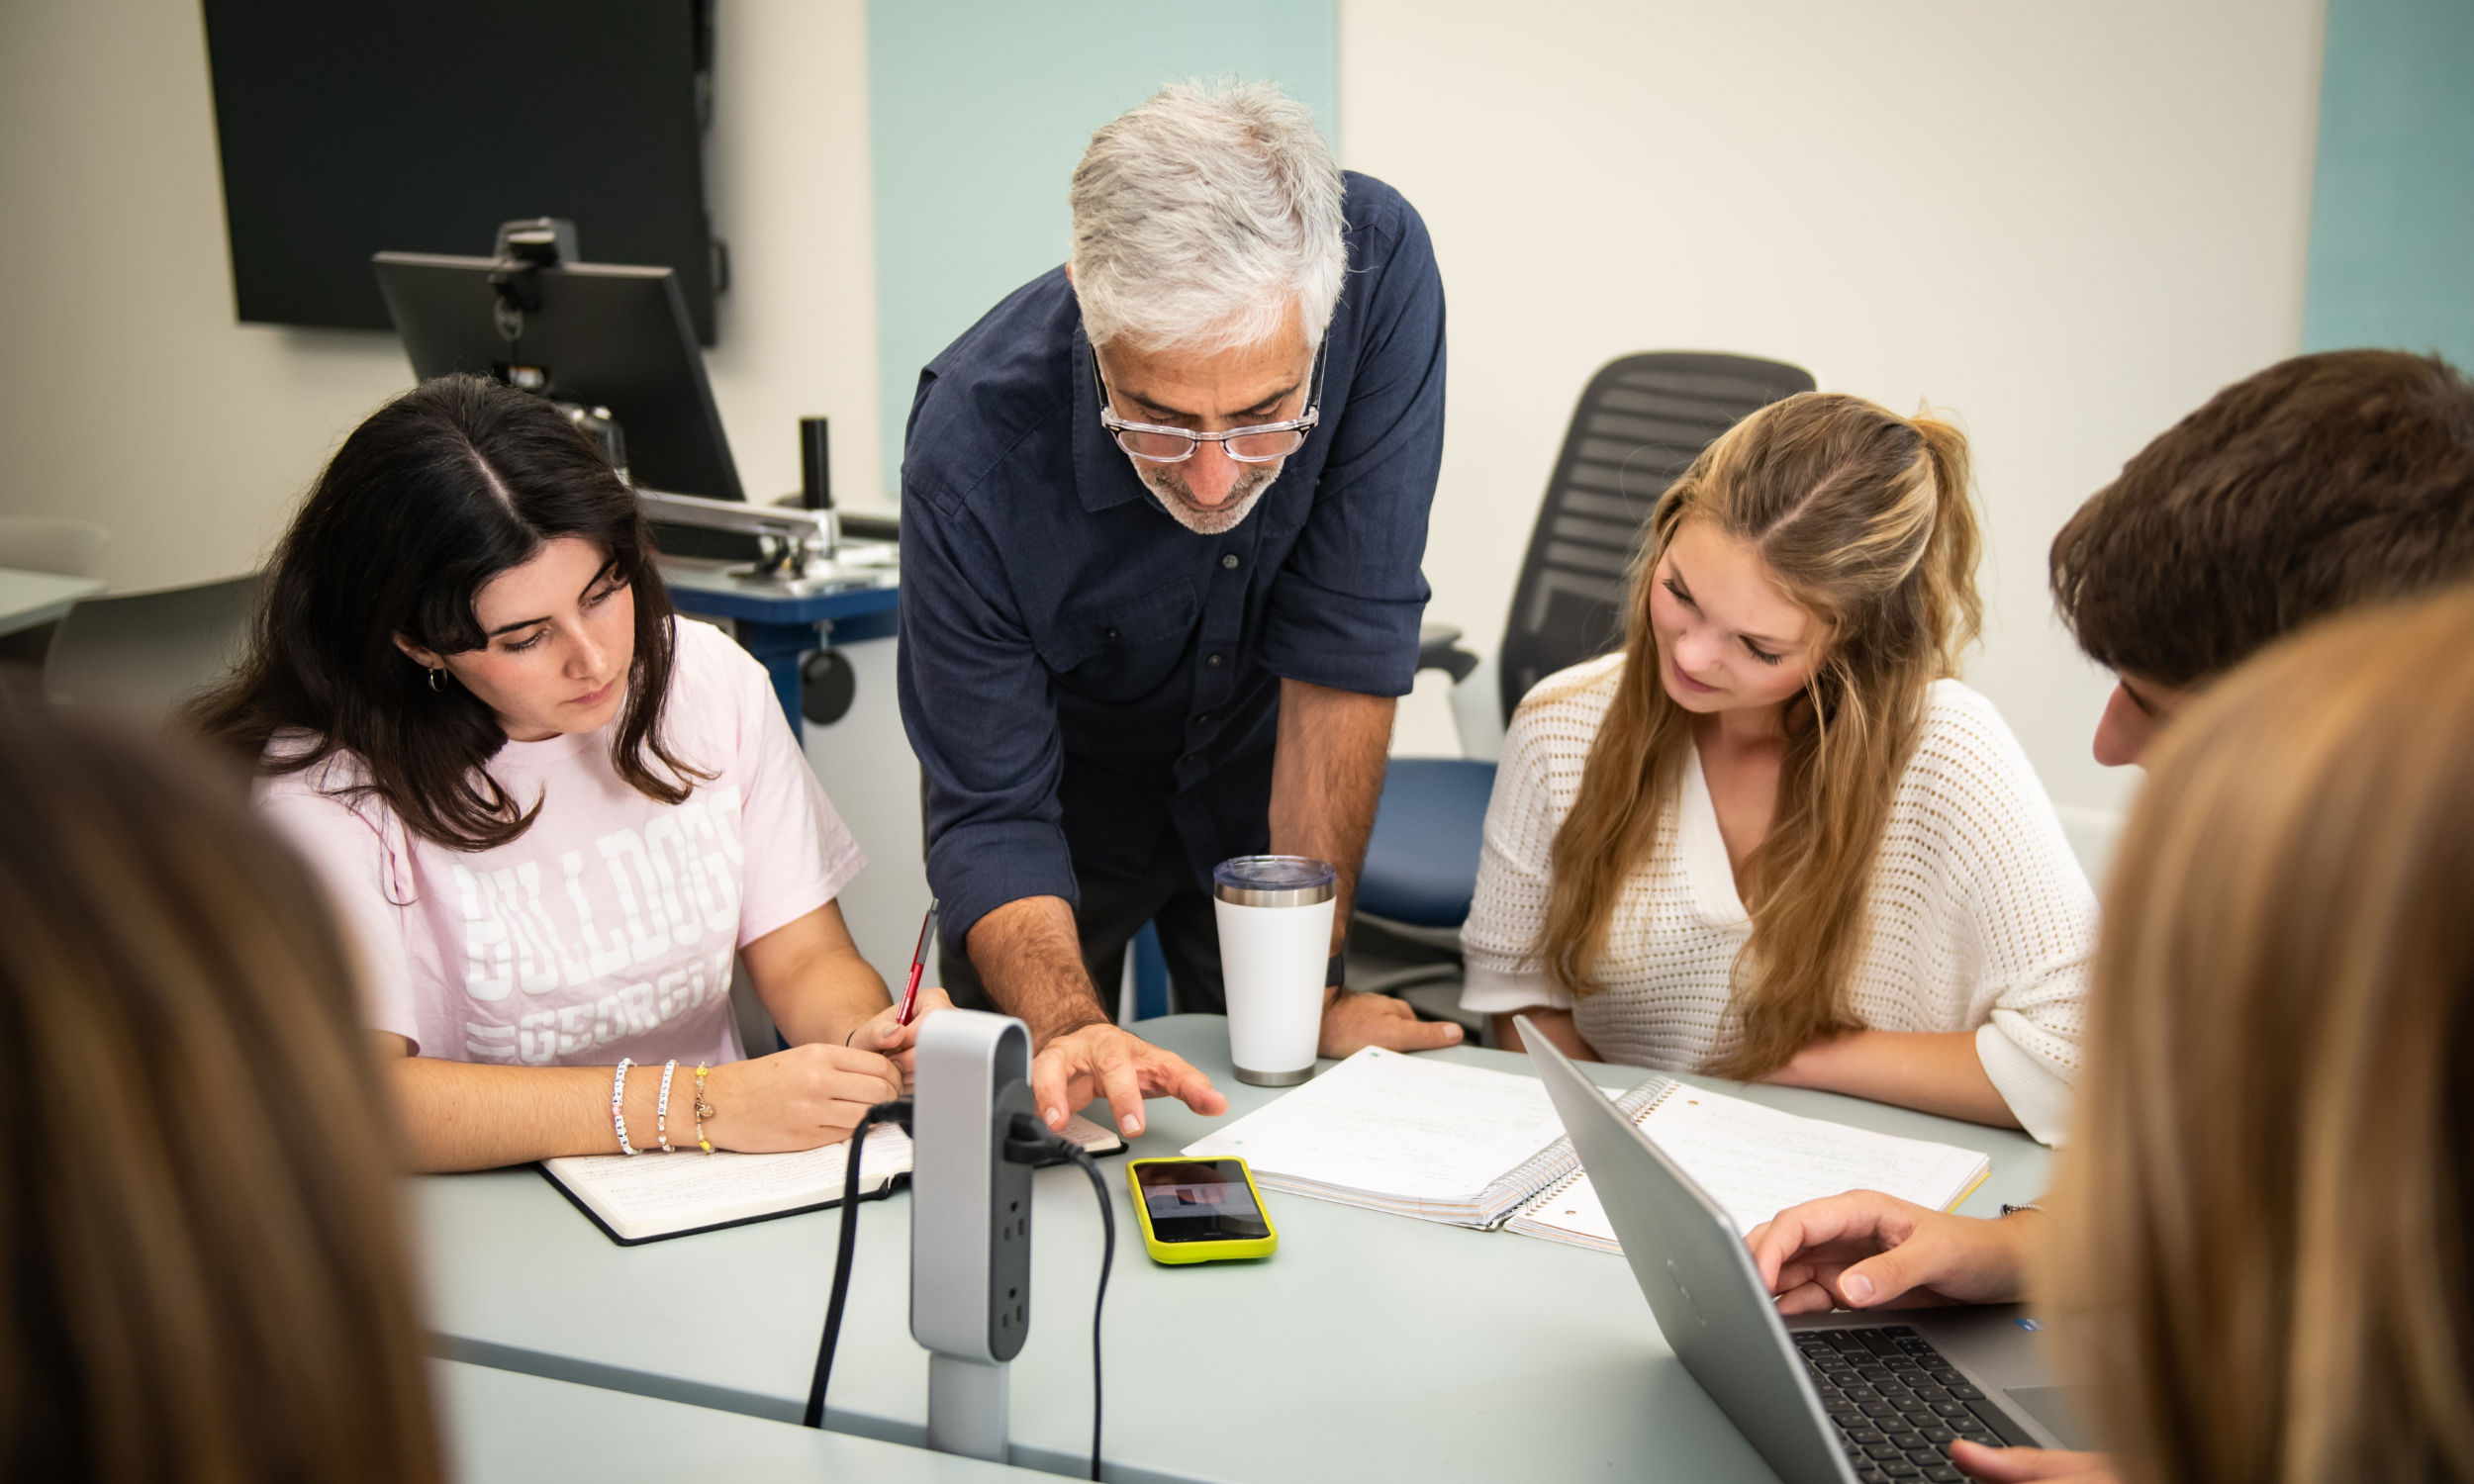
[
  {"x": 1110, "y": 633},
  {"x": 1229, "y": 561},
  {"x": 1203, "y": 721},
  {"x": 1213, "y": 661}
]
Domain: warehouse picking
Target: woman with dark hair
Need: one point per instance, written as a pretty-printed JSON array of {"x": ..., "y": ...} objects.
[
  {"x": 206, "y": 1275},
  {"x": 549, "y": 810}
]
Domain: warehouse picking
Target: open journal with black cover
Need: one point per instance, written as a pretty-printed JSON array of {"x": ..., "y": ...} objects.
[
  {"x": 653, "y": 1196},
  {"x": 1472, "y": 1147}
]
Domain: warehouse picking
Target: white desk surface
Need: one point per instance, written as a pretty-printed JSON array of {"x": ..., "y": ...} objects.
[
  {"x": 31, "y": 598},
  {"x": 1370, "y": 1345},
  {"x": 503, "y": 1426}
]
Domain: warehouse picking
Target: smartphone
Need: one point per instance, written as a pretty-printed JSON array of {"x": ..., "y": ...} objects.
[{"x": 1199, "y": 1210}]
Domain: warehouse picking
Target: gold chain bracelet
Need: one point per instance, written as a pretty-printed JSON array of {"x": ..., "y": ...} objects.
[{"x": 703, "y": 1110}]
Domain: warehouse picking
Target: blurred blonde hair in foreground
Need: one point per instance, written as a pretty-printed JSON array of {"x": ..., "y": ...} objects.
[
  {"x": 2260, "y": 1262},
  {"x": 202, "y": 1272}
]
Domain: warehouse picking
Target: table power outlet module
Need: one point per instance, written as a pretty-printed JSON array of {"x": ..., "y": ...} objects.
[
  {"x": 970, "y": 1224},
  {"x": 976, "y": 1139}
]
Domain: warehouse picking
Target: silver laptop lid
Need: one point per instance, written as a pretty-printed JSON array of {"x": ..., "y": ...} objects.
[{"x": 1699, "y": 1277}]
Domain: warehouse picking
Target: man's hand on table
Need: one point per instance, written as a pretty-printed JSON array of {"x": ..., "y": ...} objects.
[
  {"x": 1352, "y": 1022},
  {"x": 1868, "y": 1250},
  {"x": 1101, "y": 1060}
]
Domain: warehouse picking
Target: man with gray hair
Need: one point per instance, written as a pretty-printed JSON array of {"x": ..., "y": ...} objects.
[{"x": 1163, "y": 510}]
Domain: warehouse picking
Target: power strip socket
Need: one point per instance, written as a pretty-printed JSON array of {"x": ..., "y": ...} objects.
[
  {"x": 970, "y": 1223},
  {"x": 1009, "y": 1251}
]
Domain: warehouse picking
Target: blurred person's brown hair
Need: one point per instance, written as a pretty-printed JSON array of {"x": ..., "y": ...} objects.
[
  {"x": 2322, "y": 482},
  {"x": 2259, "y": 1268},
  {"x": 203, "y": 1274}
]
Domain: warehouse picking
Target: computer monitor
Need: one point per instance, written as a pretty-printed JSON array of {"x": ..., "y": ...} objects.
[{"x": 603, "y": 336}]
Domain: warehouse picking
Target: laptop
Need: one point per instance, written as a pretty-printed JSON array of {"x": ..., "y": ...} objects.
[{"x": 1841, "y": 1398}]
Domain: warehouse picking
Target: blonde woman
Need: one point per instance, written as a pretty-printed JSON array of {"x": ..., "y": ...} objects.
[{"x": 1772, "y": 838}]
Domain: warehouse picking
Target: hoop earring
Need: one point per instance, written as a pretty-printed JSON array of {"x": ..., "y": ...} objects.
[{"x": 433, "y": 679}]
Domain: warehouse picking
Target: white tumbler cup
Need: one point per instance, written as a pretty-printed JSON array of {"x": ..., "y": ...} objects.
[{"x": 1275, "y": 917}]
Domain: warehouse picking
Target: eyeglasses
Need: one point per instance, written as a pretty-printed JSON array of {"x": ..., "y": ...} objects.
[{"x": 1260, "y": 444}]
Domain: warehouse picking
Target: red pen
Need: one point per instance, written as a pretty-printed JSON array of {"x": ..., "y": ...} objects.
[{"x": 919, "y": 962}]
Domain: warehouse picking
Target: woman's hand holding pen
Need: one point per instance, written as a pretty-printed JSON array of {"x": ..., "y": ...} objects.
[
  {"x": 798, "y": 1099},
  {"x": 894, "y": 1031},
  {"x": 886, "y": 1035},
  {"x": 809, "y": 1095}
]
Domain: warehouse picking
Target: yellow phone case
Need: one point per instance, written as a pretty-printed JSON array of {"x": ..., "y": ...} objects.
[{"x": 1174, "y": 1252}]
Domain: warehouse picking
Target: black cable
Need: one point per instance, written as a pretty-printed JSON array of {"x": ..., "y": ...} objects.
[
  {"x": 1029, "y": 1142},
  {"x": 895, "y": 1112},
  {"x": 1108, "y": 1261}
]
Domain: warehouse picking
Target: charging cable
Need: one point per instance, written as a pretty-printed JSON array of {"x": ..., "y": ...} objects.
[
  {"x": 1029, "y": 1142},
  {"x": 898, "y": 1113}
]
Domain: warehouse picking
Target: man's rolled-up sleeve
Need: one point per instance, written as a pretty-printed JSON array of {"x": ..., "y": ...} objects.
[
  {"x": 1346, "y": 608},
  {"x": 974, "y": 701}
]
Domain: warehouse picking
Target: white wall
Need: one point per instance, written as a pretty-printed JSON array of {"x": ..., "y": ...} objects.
[
  {"x": 2067, "y": 225},
  {"x": 128, "y": 393},
  {"x": 129, "y": 396},
  {"x": 867, "y": 771},
  {"x": 787, "y": 182}
]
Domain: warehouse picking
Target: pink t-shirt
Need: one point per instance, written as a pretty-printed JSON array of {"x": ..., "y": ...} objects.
[{"x": 607, "y": 929}]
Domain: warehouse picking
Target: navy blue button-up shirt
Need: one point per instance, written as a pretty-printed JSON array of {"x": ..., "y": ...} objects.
[{"x": 1080, "y": 673}]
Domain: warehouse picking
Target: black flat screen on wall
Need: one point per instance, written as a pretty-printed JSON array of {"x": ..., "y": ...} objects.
[{"x": 351, "y": 128}]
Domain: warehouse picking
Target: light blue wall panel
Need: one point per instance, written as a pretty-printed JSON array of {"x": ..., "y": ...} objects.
[
  {"x": 2392, "y": 211},
  {"x": 978, "y": 111}
]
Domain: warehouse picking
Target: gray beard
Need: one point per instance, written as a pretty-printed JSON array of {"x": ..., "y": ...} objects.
[{"x": 1164, "y": 481}]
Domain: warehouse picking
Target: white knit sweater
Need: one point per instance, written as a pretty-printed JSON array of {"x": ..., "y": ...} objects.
[{"x": 1978, "y": 919}]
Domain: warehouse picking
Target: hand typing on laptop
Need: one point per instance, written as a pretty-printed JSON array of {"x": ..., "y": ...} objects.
[
  {"x": 1868, "y": 1250},
  {"x": 2020, "y": 1465}
]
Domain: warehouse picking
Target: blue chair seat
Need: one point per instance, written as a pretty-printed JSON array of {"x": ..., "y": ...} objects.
[{"x": 1421, "y": 861}]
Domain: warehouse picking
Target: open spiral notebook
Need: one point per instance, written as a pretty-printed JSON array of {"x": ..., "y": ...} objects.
[{"x": 1471, "y": 1146}]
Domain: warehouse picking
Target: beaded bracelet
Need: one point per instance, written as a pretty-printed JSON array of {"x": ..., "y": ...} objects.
[
  {"x": 703, "y": 1110},
  {"x": 661, "y": 1110},
  {"x": 618, "y": 1105}
]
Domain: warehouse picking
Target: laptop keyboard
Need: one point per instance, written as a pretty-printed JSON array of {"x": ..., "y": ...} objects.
[{"x": 1898, "y": 1403}]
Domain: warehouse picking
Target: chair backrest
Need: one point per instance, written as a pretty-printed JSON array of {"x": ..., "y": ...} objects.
[
  {"x": 141, "y": 654},
  {"x": 47, "y": 543},
  {"x": 1640, "y": 423}
]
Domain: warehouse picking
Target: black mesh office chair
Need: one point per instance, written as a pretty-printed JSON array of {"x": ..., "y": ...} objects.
[{"x": 1641, "y": 422}]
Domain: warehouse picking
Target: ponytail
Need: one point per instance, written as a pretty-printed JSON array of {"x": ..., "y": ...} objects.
[{"x": 1953, "y": 610}]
